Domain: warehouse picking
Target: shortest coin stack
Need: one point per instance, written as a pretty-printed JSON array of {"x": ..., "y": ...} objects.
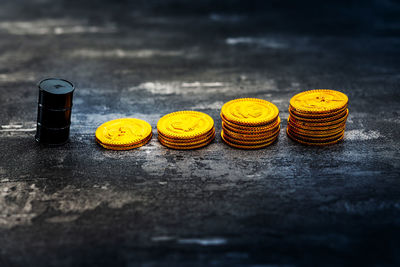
[
  {"x": 317, "y": 117},
  {"x": 249, "y": 123},
  {"x": 186, "y": 130},
  {"x": 124, "y": 134}
]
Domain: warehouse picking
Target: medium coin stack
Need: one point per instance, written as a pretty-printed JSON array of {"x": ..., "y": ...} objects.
[
  {"x": 249, "y": 123},
  {"x": 186, "y": 130},
  {"x": 123, "y": 134},
  {"x": 317, "y": 117}
]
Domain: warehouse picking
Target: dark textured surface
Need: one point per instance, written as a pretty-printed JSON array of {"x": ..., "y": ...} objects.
[{"x": 80, "y": 205}]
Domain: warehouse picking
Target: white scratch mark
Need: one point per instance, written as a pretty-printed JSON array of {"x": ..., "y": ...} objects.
[
  {"x": 120, "y": 53},
  {"x": 199, "y": 84},
  {"x": 361, "y": 135},
  {"x": 262, "y": 42},
  {"x": 17, "y": 76},
  {"x": 53, "y": 26},
  {"x": 203, "y": 241},
  {"x": 16, "y": 128}
]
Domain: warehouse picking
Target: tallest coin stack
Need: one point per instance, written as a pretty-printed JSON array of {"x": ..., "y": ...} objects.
[{"x": 317, "y": 117}]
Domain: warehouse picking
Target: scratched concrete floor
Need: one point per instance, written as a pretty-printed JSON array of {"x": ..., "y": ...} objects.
[{"x": 80, "y": 205}]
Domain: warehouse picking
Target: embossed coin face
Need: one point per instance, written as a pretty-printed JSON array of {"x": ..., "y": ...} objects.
[
  {"x": 318, "y": 101},
  {"x": 185, "y": 124},
  {"x": 123, "y": 132},
  {"x": 249, "y": 111}
]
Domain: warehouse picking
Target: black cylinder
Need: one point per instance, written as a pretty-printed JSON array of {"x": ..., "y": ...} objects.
[{"x": 54, "y": 111}]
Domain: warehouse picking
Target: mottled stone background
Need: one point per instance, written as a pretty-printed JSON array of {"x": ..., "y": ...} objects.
[{"x": 288, "y": 204}]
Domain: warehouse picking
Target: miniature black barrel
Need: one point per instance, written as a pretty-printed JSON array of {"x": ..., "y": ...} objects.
[{"x": 54, "y": 111}]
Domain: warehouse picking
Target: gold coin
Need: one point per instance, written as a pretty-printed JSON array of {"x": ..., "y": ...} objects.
[
  {"x": 314, "y": 144},
  {"x": 188, "y": 140},
  {"x": 317, "y": 123},
  {"x": 318, "y": 127},
  {"x": 318, "y": 101},
  {"x": 320, "y": 139},
  {"x": 326, "y": 118},
  {"x": 247, "y": 129},
  {"x": 117, "y": 147},
  {"x": 187, "y": 147},
  {"x": 250, "y": 135},
  {"x": 246, "y": 146},
  {"x": 249, "y": 142},
  {"x": 249, "y": 111},
  {"x": 315, "y": 133},
  {"x": 123, "y": 132},
  {"x": 185, "y": 124}
]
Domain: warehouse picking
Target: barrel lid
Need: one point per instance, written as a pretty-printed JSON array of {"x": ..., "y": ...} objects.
[{"x": 56, "y": 86}]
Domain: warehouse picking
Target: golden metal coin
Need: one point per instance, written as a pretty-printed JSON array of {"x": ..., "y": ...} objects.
[
  {"x": 317, "y": 124},
  {"x": 249, "y": 111},
  {"x": 250, "y": 135},
  {"x": 187, "y": 147},
  {"x": 321, "y": 139},
  {"x": 123, "y": 132},
  {"x": 185, "y": 124},
  {"x": 188, "y": 140},
  {"x": 249, "y": 142},
  {"x": 326, "y": 118},
  {"x": 318, "y": 101},
  {"x": 317, "y": 128},
  {"x": 314, "y": 144},
  {"x": 119, "y": 147},
  {"x": 246, "y": 146},
  {"x": 246, "y": 129},
  {"x": 315, "y": 133}
]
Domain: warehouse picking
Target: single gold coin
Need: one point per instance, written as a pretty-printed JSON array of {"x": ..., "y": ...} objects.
[
  {"x": 249, "y": 111},
  {"x": 241, "y": 146},
  {"x": 318, "y": 123},
  {"x": 318, "y": 101},
  {"x": 249, "y": 142},
  {"x": 188, "y": 140},
  {"x": 312, "y": 143},
  {"x": 250, "y": 135},
  {"x": 317, "y": 115},
  {"x": 188, "y": 146},
  {"x": 185, "y": 124},
  {"x": 326, "y": 118},
  {"x": 246, "y": 129},
  {"x": 317, "y": 127},
  {"x": 321, "y": 133},
  {"x": 125, "y": 147},
  {"x": 123, "y": 132},
  {"x": 320, "y": 139}
]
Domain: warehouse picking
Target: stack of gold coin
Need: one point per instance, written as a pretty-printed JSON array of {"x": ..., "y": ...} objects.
[
  {"x": 250, "y": 123},
  {"x": 317, "y": 117},
  {"x": 123, "y": 134},
  {"x": 186, "y": 130}
]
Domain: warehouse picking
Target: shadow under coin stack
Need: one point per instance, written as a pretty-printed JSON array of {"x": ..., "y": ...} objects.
[
  {"x": 186, "y": 130},
  {"x": 317, "y": 117},
  {"x": 124, "y": 134},
  {"x": 250, "y": 123}
]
